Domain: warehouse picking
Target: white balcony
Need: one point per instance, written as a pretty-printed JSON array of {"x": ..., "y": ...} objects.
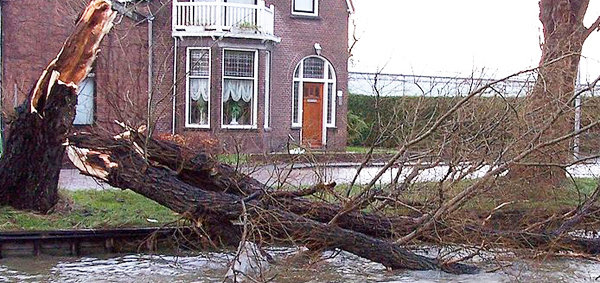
[{"x": 217, "y": 18}]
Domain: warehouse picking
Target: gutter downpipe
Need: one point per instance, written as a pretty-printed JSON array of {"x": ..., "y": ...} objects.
[
  {"x": 174, "y": 84},
  {"x": 1, "y": 84},
  {"x": 150, "y": 72}
]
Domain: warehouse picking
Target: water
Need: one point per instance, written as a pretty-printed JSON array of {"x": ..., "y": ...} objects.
[{"x": 290, "y": 267}]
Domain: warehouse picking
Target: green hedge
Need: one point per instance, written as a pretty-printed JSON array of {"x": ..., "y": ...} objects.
[{"x": 388, "y": 121}]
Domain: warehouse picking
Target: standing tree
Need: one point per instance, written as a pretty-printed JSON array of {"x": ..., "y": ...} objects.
[
  {"x": 35, "y": 144},
  {"x": 549, "y": 111}
]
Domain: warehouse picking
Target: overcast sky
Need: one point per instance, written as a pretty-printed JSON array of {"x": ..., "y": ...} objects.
[{"x": 455, "y": 37}]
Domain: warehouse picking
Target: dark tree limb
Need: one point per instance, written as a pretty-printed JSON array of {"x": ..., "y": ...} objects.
[
  {"x": 34, "y": 148},
  {"x": 199, "y": 169},
  {"x": 121, "y": 165}
]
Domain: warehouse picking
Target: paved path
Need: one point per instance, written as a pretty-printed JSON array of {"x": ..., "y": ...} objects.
[
  {"x": 71, "y": 179},
  {"x": 341, "y": 173}
]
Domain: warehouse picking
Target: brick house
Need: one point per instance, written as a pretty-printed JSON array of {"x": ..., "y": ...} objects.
[{"x": 253, "y": 74}]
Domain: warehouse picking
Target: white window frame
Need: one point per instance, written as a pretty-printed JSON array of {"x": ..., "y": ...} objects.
[
  {"x": 325, "y": 81},
  {"x": 187, "y": 88},
  {"x": 254, "y": 95},
  {"x": 268, "y": 63},
  {"x": 315, "y": 13}
]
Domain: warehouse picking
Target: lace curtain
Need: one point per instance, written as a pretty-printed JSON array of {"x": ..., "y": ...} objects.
[
  {"x": 238, "y": 89},
  {"x": 199, "y": 89}
]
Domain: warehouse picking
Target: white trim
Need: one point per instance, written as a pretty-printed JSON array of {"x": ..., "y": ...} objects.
[
  {"x": 254, "y": 95},
  {"x": 333, "y": 80},
  {"x": 267, "y": 124},
  {"x": 187, "y": 89},
  {"x": 350, "y": 6},
  {"x": 325, "y": 81},
  {"x": 174, "y": 113},
  {"x": 309, "y": 14}
]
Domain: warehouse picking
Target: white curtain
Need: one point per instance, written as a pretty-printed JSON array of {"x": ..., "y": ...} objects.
[
  {"x": 84, "y": 111},
  {"x": 238, "y": 89},
  {"x": 199, "y": 89}
]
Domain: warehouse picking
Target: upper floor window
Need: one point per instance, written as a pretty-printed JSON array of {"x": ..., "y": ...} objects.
[
  {"x": 305, "y": 7},
  {"x": 197, "y": 110},
  {"x": 84, "y": 111},
  {"x": 240, "y": 78}
]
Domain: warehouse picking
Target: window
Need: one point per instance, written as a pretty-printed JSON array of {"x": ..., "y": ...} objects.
[
  {"x": 84, "y": 111},
  {"x": 305, "y": 7},
  {"x": 197, "y": 110},
  {"x": 240, "y": 72},
  {"x": 314, "y": 69}
]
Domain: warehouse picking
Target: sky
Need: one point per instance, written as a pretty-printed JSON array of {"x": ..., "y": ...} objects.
[{"x": 491, "y": 38}]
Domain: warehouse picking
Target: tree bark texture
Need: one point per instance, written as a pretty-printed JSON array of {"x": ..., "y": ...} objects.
[
  {"x": 564, "y": 36},
  {"x": 199, "y": 169},
  {"x": 34, "y": 147},
  {"x": 121, "y": 164}
]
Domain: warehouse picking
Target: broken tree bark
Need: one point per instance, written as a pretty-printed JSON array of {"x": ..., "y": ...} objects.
[
  {"x": 122, "y": 164},
  {"x": 34, "y": 147},
  {"x": 201, "y": 170}
]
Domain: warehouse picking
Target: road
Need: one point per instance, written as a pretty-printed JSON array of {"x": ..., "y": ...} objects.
[{"x": 304, "y": 174}]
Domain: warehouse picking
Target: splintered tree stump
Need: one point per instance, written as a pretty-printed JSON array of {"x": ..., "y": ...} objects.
[{"x": 35, "y": 144}]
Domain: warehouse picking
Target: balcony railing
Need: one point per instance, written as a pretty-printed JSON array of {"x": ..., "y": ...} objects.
[{"x": 217, "y": 18}]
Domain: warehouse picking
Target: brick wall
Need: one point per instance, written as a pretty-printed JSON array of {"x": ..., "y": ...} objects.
[
  {"x": 299, "y": 34},
  {"x": 34, "y": 31}
]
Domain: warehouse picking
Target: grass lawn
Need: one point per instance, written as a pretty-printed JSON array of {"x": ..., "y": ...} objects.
[
  {"x": 233, "y": 159},
  {"x": 91, "y": 209},
  {"x": 568, "y": 196},
  {"x": 364, "y": 149}
]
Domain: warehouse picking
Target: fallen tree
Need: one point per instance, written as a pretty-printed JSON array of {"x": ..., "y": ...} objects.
[
  {"x": 121, "y": 163},
  {"x": 200, "y": 169},
  {"x": 35, "y": 144},
  {"x": 206, "y": 191},
  {"x": 215, "y": 195}
]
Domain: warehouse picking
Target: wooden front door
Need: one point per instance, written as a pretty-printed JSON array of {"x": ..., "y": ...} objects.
[{"x": 312, "y": 115}]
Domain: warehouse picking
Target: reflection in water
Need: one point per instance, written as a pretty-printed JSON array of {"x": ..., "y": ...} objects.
[{"x": 211, "y": 267}]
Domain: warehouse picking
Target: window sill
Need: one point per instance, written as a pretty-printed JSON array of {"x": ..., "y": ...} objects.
[
  {"x": 197, "y": 127},
  {"x": 239, "y": 127},
  {"x": 306, "y": 17}
]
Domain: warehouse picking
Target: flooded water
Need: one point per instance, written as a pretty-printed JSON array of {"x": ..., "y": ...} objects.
[{"x": 289, "y": 267}]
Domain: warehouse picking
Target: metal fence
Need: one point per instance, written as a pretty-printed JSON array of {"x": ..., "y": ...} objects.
[
  {"x": 436, "y": 86},
  {"x": 442, "y": 86}
]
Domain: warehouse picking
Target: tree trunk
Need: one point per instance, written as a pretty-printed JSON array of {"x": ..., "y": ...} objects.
[
  {"x": 564, "y": 36},
  {"x": 34, "y": 148},
  {"x": 119, "y": 164},
  {"x": 199, "y": 169}
]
